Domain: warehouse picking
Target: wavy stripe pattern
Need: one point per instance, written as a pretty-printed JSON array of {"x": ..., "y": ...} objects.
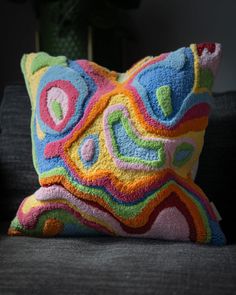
[{"x": 115, "y": 153}]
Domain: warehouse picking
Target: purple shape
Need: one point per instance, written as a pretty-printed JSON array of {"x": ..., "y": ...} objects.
[{"x": 87, "y": 150}]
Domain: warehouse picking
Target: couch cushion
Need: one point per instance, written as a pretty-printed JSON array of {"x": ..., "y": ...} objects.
[{"x": 114, "y": 266}]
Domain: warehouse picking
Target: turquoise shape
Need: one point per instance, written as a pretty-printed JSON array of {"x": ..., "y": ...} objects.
[{"x": 183, "y": 154}]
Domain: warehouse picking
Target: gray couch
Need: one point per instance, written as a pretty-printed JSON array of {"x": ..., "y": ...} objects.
[{"x": 115, "y": 265}]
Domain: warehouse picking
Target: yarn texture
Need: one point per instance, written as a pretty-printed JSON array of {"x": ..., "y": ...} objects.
[{"x": 116, "y": 154}]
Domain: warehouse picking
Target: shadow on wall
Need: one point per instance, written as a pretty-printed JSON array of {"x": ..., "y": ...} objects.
[
  {"x": 17, "y": 31},
  {"x": 165, "y": 25},
  {"x": 157, "y": 26}
]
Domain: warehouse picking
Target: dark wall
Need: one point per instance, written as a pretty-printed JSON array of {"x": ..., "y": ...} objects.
[
  {"x": 162, "y": 25},
  {"x": 158, "y": 25},
  {"x": 17, "y": 31}
]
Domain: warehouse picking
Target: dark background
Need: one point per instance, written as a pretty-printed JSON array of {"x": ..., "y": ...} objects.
[{"x": 156, "y": 26}]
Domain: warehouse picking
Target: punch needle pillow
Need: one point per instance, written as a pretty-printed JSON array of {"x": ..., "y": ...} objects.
[{"x": 116, "y": 153}]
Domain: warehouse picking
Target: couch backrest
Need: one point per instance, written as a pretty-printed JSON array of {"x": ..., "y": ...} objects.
[
  {"x": 17, "y": 175},
  {"x": 215, "y": 174}
]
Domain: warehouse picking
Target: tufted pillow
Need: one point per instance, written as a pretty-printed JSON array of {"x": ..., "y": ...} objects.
[{"x": 116, "y": 153}]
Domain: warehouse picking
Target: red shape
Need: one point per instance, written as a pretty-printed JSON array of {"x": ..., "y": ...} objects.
[
  {"x": 201, "y": 46},
  {"x": 72, "y": 94}
]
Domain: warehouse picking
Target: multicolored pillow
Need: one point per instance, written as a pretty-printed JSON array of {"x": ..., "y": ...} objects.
[{"x": 116, "y": 153}]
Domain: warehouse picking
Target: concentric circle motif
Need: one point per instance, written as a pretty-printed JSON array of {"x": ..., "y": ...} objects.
[{"x": 58, "y": 104}]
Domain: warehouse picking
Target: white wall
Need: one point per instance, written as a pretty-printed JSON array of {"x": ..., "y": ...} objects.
[{"x": 163, "y": 25}]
